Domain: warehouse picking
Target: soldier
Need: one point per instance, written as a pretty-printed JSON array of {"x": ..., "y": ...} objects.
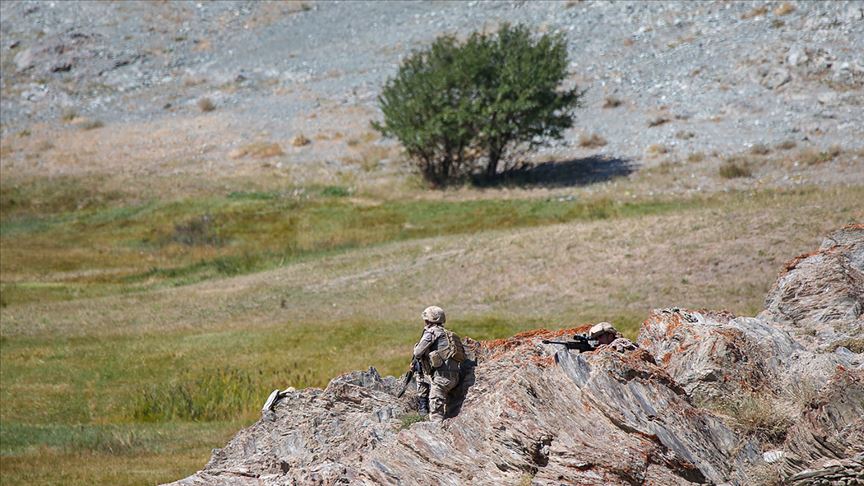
[
  {"x": 606, "y": 334},
  {"x": 436, "y": 354},
  {"x": 603, "y": 333}
]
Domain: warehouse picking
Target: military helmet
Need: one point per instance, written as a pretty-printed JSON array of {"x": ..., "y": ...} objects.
[
  {"x": 434, "y": 314},
  {"x": 601, "y": 328}
]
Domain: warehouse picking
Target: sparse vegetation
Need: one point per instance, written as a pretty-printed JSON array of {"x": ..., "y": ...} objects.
[
  {"x": 411, "y": 419},
  {"x": 657, "y": 121},
  {"x": 612, "y": 102},
  {"x": 68, "y": 114},
  {"x": 257, "y": 150},
  {"x": 852, "y": 344},
  {"x": 759, "y": 416},
  {"x": 735, "y": 167},
  {"x": 695, "y": 157},
  {"x": 785, "y": 8},
  {"x": 755, "y": 12},
  {"x": 684, "y": 135},
  {"x": 816, "y": 157},
  {"x": 87, "y": 123},
  {"x": 656, "y": 149},
  {"x": 206, "y": 105},
  {"x": 760, "y": 149},
  {"x": 591, "y": 141},
  {"x": 787, "y": 145},
  {"x": 458, "y": 105},
  {"x": 300, "y": 140}
]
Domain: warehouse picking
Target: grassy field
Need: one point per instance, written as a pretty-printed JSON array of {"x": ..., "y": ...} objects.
[{"x": 138, "y": 334}]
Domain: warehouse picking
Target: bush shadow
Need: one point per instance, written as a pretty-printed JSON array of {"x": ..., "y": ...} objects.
[{"x": 566, "y": 173}]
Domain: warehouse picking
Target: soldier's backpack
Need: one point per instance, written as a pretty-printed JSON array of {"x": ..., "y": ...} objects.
[{"x": 455, "y": 350}]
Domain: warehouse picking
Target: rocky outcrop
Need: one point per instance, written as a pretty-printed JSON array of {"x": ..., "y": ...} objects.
[
  {"x": 706, "y": 398},
  {"x": 820, "y": 296}
]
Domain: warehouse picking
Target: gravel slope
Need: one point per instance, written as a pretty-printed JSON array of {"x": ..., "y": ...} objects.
[{"x": 707, "y": 75}]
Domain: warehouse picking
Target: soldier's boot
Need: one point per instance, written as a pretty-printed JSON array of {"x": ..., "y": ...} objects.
[
  {"x": 437, "y": 409},
  {"x": 423, "y": 405}
]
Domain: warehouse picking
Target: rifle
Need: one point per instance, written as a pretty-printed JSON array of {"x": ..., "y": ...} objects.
[
  {"x": 579, "y": 341},
  {"x": 415, "y": 365}
]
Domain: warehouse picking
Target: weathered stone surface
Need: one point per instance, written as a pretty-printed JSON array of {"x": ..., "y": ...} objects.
[
  {"x": 820, "y": 296},
  {"x": 534, "y": 409},
  {"x": 618, "y": 415},
  {"x": 830, "y": 430},
  {"x": 713, "y": 355}
]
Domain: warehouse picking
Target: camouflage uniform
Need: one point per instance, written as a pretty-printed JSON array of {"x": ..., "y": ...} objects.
[
  {"x": 606, "y": 335},
  {"x": 443, "y": 378}
]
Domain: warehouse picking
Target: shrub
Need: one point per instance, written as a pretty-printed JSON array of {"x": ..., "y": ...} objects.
[
  {"x": 657, "y": 121},
  {"x": 300, "y": 140},
  {"x": 612, "y": 102},
  {"x": 734, "y": 168},
  {"x": 816, "y": 157},
  {"x": 410, "y": 419},
  {"x": 696, "y": 157},
  {"x": 87, "y": 123},
  {"x": 461, "y": 108},
  {"x": 756, "y": 415},
  {"x": 257, "y": 150},
  {"x": 206, "y": 105},
  {"x": 786, "y": 145},
  {"x": 656, "y": 149},
  {"x": 760, "y": 149},
  {"x": 590, "y": 141},
  {"x": 785, "y": 9}
]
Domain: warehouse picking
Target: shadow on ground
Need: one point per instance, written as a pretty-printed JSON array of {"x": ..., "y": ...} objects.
[{"x": 567, "y": 173}]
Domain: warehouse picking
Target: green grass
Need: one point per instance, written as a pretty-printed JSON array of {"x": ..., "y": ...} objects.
[
  {"x": 119, "y": 397},
  {"x": 103, "y": 362},
  {"x": 86, "y": 253}
]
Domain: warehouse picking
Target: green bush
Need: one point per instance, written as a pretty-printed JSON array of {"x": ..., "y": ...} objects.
[{"x": 460, "y": 109}]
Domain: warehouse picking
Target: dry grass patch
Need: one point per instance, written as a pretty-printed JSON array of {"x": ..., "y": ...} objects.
[
  {"x": 695, "y": 157},
  {"x": 85, "y": 123},
  {"x": 612, "y": 102},
  {"x": 300, "y": 140},
  {"x": 763, "y": 417},
  {"x": 760, "y": 149},
  {"x": 68, "y": 114},
  {"x": 369, "y": 158},
  {"x": 656, "y": 149},
  {"x": 755, "y": 12},
  {"x": 257, "y": 150},
  {"x": 816, "y": 157},
  {"x": 657, "y": 121},
  {"x": 206, "y": 105},
  {"x": 591, "y": 141},
  {"x": 785, "y": 9},
  {"x": 735, "y": 167},
  {"x": 786, "y": 145}
]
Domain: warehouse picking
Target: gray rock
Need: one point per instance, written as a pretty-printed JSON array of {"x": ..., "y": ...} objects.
[{"x": 820, "y": 295}]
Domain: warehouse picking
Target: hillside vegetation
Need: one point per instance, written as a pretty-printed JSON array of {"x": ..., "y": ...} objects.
[{"x": 195, "y": 210}]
